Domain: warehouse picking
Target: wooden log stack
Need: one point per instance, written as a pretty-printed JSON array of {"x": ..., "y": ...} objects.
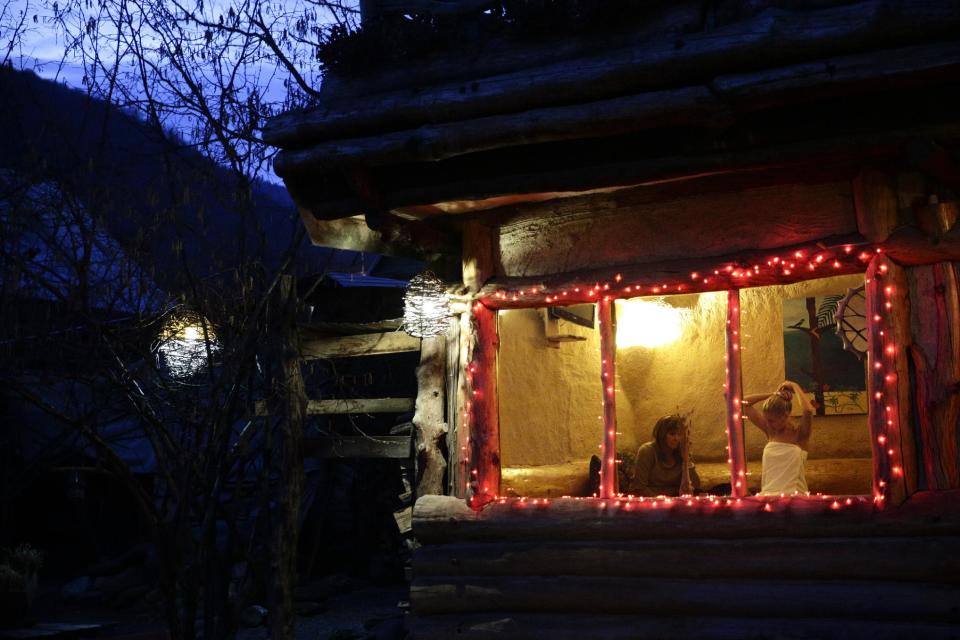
[{"x": 587, "y": 568}]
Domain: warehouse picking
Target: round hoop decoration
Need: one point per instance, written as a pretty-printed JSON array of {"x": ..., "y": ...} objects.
[
  {"x": 426, "y": 306},
  {"x": 851, "y": 320}
]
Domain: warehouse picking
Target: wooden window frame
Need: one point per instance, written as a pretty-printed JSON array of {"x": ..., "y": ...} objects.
[{"x": 886, "y": 362}]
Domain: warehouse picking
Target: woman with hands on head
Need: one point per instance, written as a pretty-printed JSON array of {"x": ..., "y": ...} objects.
[
  {"x": 785, "y": 453},
  {"x": 663, "y": 466}
]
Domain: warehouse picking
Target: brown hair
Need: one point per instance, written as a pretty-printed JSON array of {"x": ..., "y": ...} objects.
[{"x": 665, "y": 425}]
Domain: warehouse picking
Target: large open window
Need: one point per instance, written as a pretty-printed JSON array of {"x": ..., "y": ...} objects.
[
  {"x": 570, "y": 389},
  {"x": 790, "y": 332},
  {"x": 549, "y": 400},
  {"x": 670, "y": 362}
]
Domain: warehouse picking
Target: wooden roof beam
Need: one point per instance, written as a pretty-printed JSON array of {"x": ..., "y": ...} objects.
[
  {"x": 773, "y": 38},
  {"x": 702, "y": 105}
]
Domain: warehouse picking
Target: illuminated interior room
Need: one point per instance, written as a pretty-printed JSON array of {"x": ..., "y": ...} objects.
[
  {"x": 670, "y": 360},
  {"x": 550, "y": 399},
  {"x": 839, "y": 459}
]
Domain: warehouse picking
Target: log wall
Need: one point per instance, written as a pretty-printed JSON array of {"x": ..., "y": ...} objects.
[{"x": 593, "y": 568}]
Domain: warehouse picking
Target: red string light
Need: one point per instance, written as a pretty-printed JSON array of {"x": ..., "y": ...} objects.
[{"x": 776, "y": 268}]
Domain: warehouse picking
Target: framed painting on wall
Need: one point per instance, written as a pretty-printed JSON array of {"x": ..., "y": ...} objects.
[{"x": 815, "y": 358}]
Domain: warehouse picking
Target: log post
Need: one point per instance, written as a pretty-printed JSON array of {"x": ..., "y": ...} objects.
[
  {"x": 900, "y": 329},
  {"x": 884, "y": 358},
  {"x": 479, "y": 244},
  {"x": 468, "y": 340},
  {"x": 428, "y": 422},
  {"x": 607, "y": 321},
  {"x": 935, "y": 354},
  {"x": 733, "y": 392},
  {"x": 454, "y": 409},
  {"x": 875, "y": 200},
  {"x": 483, "y": 409}
]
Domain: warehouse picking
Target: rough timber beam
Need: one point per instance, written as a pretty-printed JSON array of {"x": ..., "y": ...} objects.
[
  {"x": 395, "y": 236},
  {"x": 777, "y": 37},
  {"x": 599, "y": 165},
  {"x": 706, "y": 105}
]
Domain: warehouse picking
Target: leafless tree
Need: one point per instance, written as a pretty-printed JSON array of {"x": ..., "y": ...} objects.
[{"x": 202, "y": 76}]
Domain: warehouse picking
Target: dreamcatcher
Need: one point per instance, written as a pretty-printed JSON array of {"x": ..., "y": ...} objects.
[{"x": 851, "y": 319}]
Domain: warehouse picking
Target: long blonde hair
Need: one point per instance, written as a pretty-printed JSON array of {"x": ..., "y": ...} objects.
[{"x": 777, "y": 405}]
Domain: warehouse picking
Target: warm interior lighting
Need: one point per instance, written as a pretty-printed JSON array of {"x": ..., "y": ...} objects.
[{"x": 646, "y": 323}]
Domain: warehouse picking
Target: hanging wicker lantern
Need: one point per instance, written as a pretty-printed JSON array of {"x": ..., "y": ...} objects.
[
  {"x": 426, "y": 306},
  {"x": 184, "y": 343}
]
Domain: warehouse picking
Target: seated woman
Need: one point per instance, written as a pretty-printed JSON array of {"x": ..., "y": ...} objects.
[
  {"x": 663, "y": 466},
  {"x": 785, "y": 454}
]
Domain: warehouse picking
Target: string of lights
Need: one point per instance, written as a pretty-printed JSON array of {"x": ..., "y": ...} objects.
[{"x": 776, "y": 269}]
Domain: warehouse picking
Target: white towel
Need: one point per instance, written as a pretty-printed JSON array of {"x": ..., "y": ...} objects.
[{"x": 783, "y": 470}]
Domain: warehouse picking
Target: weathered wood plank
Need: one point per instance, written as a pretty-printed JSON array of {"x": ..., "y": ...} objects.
[
  {"x": 688, "y": 106},
  {"x": 335, "y": 406},
  {"x": 360, "y": 345},
  {"x": 500, "y": 55},
  {"x": 485, "y": 179},
  {"x": 352, "y": 328},
  {"x": 504, "y": 625},
  {"x": 479, "y": 260},
  {"x": 403, "y": 520},
  {"x": 454, "y": 410},
  {"x": 838, "y": 599},
  {"x": 393, "y": 447},
  {"x": 900, "y": 321},
  {"x": 429, "y": 424},
  {"x": 840, "y": 75},
  {"x": 906, "y": 559},
  {"x": 465, "y": 412},
  {"x": 337, "y": 225},
  {"x": 429, "y": 143},
  {"x": 776, "y": 37},
  {"x": 439, "y": 519},
  {"x": 346, "y": 406},
  {"x": 936, "y": 357},
  {"x": 875, "y": 200}
]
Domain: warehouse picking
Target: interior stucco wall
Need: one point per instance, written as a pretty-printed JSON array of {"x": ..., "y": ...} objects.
[
  {"x": 550, "y": 399},
  {"x": 685, "y": 377},
  {"x": 550, "y": 396}
]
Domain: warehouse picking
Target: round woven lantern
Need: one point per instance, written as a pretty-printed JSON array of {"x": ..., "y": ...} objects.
[
  {"x": 184, "y": 343},
  {"x": 426, "y": 306}
]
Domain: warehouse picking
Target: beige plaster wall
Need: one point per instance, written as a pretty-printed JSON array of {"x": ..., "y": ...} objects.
[
  {"x": 550, "y": 398},
  {"x": 685, "y": 377}
]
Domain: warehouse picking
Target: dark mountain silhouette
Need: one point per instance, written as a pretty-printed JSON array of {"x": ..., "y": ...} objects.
[{"x": 171, "y": 208}]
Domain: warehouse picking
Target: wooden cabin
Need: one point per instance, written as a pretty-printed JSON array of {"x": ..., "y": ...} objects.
[{"x": 665, "y": 214}]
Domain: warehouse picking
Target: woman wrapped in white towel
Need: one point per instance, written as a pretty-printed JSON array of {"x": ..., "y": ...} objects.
[{"x": 785, "y": 454}]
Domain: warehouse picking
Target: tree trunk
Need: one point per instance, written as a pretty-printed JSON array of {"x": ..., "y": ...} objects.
[{"x": 290, "y": 430}]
